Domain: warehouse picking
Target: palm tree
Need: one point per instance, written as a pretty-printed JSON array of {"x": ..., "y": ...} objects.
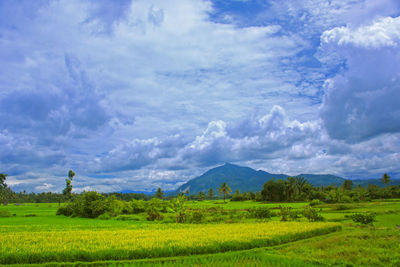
[
  {"x": 300, "y": 182},
  {"x": 290, "y": 185},
  {"x": 385, "y": 178},
  {"x": 224, "y": 189}
]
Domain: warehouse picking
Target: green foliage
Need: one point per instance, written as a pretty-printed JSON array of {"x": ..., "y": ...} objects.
[
  {"x": 287, "y": 213},
  {"x": 224, "y": 189},
  {"x": 367, "y": 218},
  {"x": 3, "y": 178},
  {"x": 273, "y": 191},
  {"x": 178, "y": 206},
  {"x": 68, "y": 185},
  {"x": 385, "y": 178},
  {"x": 104, "y": 216},
  {"x": 137, "y": 206},
  {"x": 159, "y": 194},
  {"x": 260, "y": 213},
  {"x": 201, "y": 196},
  {"x": 315, "y": 202},
  {"x": 312, "y": 214},
  {"x": 347, "y": 184},
  {"x": 196, "y": 216},
  {"x": 210, "y": 193},
  {"x": 153, "y": 214},
  {"x": 5, "y": 213}
]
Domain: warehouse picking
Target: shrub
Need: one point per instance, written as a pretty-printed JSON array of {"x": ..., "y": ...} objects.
[
  {"x": 127, "y": 218},
  {"x": 137, "y": 206},
  {"x": 66, "y": 210},
  {"x": 315, "y": 202},
  {"x": 30, "y": 215},
  {"x": 153, "y": 214},
  {"x": 104, "y": 216},
  {"x": 367, "y": 218},
  {"x": 5, "y": 213},
  {"x": 343, "y": 207},
  {"x": 260, "y": 213},
  {"x": 288, "y": 214},
  {"x": 312, "y": 214},
  {"x": 196, "y": 216}
]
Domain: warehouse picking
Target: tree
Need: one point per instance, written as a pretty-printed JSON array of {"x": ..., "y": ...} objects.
[
  {"x": 224, "y": 189},
  {"x": 3, "y": 178},
  {"x": 273, "y": 191},
  {"x": 178, "y": 205},
  {"x": 290, "y": 188},
  {"x": 159, "y": 194},
  {"x": 68, "y": 185},
  {"x": 385, "y": 178},
  {"x": 347, "y": 184},
  {"x": 300, "y": 184},
  {"x": 210, "y": 193},
  {"x": 4, "y": 191},
  {"x": 202, "y": 196}
]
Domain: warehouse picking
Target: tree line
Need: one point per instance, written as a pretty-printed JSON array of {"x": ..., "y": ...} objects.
[{"x": 280, "y": 190}]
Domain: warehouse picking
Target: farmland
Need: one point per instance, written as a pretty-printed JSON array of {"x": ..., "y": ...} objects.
[{"x": 34, "y": 234}]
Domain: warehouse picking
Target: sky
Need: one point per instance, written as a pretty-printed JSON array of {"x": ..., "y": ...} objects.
[{"x": 143, "y": 94}]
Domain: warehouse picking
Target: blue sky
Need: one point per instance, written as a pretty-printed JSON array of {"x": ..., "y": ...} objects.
[{"x": 140, "y": 94}]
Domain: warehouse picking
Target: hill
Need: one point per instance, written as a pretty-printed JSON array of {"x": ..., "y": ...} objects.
[{"x": 246, "y": 179}]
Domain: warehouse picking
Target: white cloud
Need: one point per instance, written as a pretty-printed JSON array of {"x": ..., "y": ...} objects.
[{"x": 361, "y": 101}]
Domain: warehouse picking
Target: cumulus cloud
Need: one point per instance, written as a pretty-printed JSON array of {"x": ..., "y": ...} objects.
[
  {"x": 141, "y": 94},
  {"x": 361, "y": 101}
]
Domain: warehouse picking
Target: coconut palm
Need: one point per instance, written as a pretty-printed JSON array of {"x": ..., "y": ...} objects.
[{"x": 224, "y": 189}]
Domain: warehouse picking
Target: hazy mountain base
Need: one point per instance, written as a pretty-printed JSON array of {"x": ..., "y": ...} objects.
[{"x": 246, "y": 179}]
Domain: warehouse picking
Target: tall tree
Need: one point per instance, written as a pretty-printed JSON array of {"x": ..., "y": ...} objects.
[
  {"x": 4, "y": 191},
  {"x": 201, "y": 196},
  {"x": 385, "y": 178},
  {"x": 347, "y": 184},
  {"x": 159, "y": 193},
  {"x": 300, "y": 183},
  {"x": 224, "y": 189},
  {"x": 290, "y": 188},
  {"x": 67, "y": 192},
  {"x": 210, "y": 193},
  {"x": 3, "y": 178}
]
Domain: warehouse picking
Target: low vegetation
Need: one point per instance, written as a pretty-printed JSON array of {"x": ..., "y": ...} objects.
[{"x": 97, "y": 229}]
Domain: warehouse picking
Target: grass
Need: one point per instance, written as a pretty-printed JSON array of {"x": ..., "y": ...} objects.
[
  {"x": 89, "y": 242},
  {"x": 150, "y": 241},
  {"x": 360, "y": 246}
]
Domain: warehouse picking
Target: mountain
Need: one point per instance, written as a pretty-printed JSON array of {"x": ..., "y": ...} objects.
[
  {"x": 377, "y": 182},
  {"x": 237, "y": 177},
  {"x": 246, "y": 179},
  {"x": 322, "y": 179}
]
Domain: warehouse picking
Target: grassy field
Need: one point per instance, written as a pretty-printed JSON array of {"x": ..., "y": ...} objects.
[{"x": 34, "y": 234}]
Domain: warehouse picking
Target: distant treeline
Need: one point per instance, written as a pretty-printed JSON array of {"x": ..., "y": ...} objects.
[
  {"x": 50, "y": 197},
  {"x": 281, "y": 190}
]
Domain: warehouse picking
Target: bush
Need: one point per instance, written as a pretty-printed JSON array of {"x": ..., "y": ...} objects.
[
  {"x": 343, "y": 207},
  {"x": 196, "y": 216},
  {"x": 127, "y": 218},
  {"x": 367, "y": 218},
  {"x": 137, "y": 206},
  {"x": 30, "y": 215},
  {"x": 288, "y": 213},
  {"x": 153, "y": 214},
  {"x": 66, "y": 210},
  {"x": 104, "y": 216},
  {"x": 312, "y": 214},
  {"x": 315, "y": 202},
  {"x": 5, "y": 213},
  {"x": 260, "y": 213}
]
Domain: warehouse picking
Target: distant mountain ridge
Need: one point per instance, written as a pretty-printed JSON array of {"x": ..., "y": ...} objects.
[{"x": 247, "y": 179}]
